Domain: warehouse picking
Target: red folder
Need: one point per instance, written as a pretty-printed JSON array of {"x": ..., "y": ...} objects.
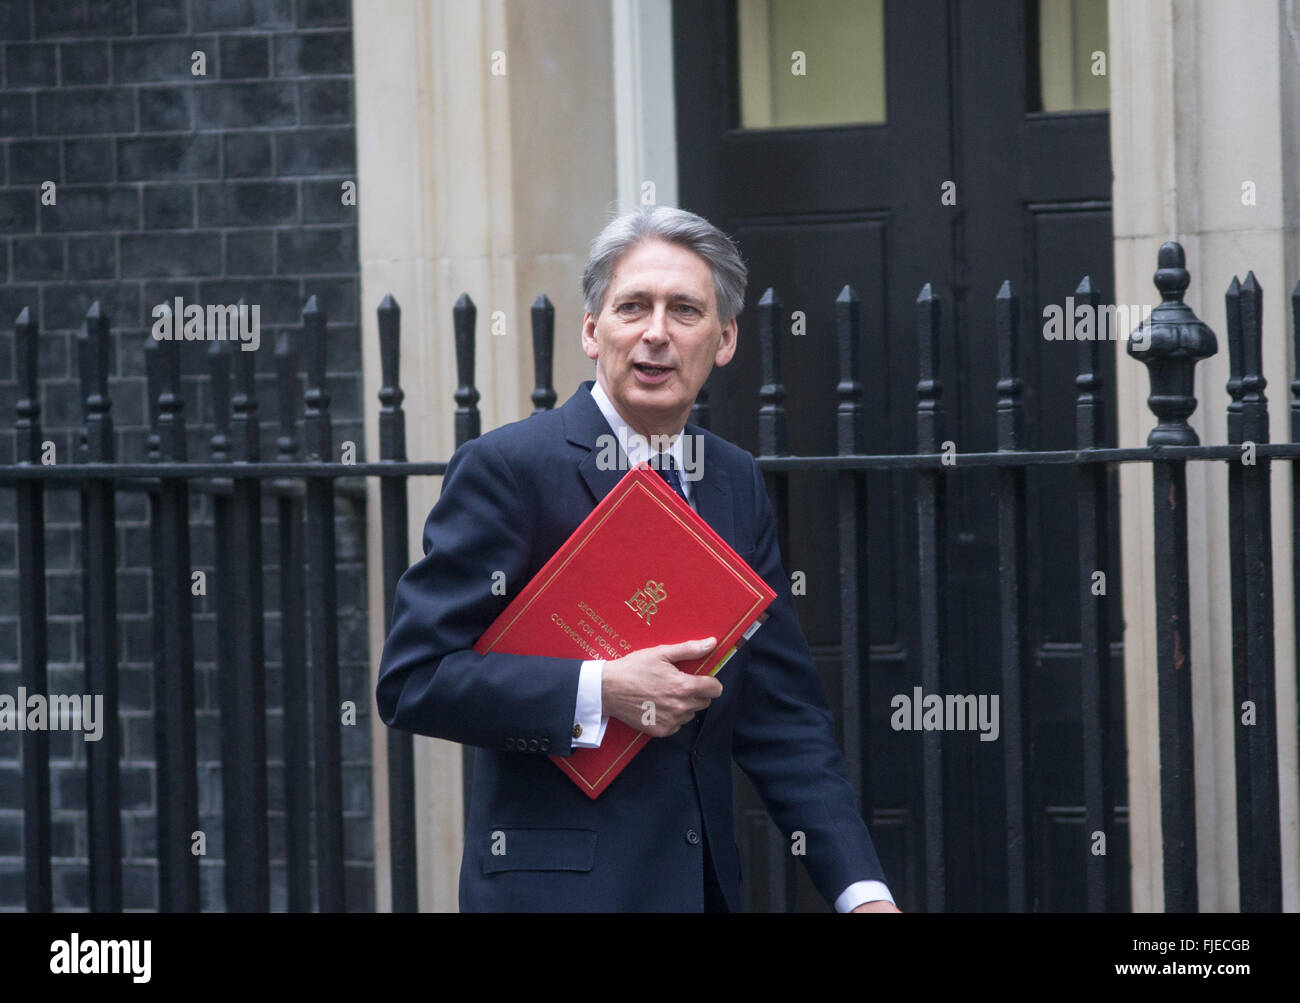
[{"x": 642, "y": 569}]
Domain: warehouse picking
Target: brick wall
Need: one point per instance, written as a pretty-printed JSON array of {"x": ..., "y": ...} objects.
[{"x": 212, "y": 188}]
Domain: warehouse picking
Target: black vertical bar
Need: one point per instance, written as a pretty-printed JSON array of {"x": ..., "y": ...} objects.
[
  {"x": 1012, "y": 595},
  {"x": 243, "y": 725},
  {"x": 323, "y": 604},
  {"x": 32, "y": 616},
  {"x": 99, "y": 619},
  {"x": 855, "y": 606},
  {"x": 1295, "y": 477},
  {"x": 221, "y": 587},
  {"x": 174, "y": 722},
  {"x": 773, "y": 440},
  {"x": 464, "y": 315},
  {"x": 543, "y": 318},
  {"x": 1094, "y": 617},
  {"x": 1259, "y": 836},
  {"x": 395, "y": 518},
  {"x": 932, "y": 548},
  {"x": 293, "y": 644},
  {"x": 1175, "y": 340}
]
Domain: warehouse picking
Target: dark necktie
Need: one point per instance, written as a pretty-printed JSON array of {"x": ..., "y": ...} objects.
[{"x": 668, "y": 471}]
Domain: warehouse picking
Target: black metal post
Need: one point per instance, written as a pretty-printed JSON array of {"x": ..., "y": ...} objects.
[
  {"x": 1094, "y": 617},
  {"x": 323, "y": 604},
  {"x": 1175, "y": 340},
  {"x": 394, "y": 514},
  {"x": 99, "y": 619},
  {"x": 464, "y": 316},
  {"x": 30, "y": 497},
  {"x": 174, "y": 721},
  {"x": 1013, "y": 595},
  {"x": 932, "y": 559},
  {"x": 1259, "y": 835},
  {"x": 543, "y": 317}
]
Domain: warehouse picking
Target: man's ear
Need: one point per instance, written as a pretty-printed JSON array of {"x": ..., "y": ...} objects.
[
  {"x": 727, "y": 343},
  {"x": 589, "y": 343}
]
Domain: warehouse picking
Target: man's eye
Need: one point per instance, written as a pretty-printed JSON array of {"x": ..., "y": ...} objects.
[{"x": 687, "y": 308}]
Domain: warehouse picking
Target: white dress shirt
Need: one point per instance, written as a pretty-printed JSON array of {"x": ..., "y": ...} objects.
[{"x": 587, "y": 717}]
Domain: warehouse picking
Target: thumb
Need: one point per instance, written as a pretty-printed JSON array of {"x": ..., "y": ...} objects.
[{"x": 684, "y": 651}]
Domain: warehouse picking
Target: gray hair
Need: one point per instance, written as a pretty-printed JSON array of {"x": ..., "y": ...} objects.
[{"x": 676, "y": 226}]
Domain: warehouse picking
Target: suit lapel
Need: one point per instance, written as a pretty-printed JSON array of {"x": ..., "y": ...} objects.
[{"x": 584, "y": 425}]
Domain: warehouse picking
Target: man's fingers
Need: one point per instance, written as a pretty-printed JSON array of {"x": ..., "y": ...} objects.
[{"x": 684, "y": 651}]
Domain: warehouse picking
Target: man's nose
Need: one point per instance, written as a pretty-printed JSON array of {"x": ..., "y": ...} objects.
[{"x": 657, "y": 326}]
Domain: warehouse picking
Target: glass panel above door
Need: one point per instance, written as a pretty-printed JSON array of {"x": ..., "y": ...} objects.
[
  {"x": 1072, "y": 69},
  {"x": 811, "y": 63}
]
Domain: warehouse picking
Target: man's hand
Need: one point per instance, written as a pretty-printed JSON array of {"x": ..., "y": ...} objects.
[
  {"x": 646, "y": 691},
  {"x": 880, "y": 905}
]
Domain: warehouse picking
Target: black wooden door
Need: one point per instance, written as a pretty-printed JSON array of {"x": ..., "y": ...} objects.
[{"x": 815, "y": 208}]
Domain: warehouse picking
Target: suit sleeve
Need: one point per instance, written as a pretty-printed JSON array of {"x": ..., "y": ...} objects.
[
  {"x": 431, "y": 682},
  {"x": 784, "y": 738}
]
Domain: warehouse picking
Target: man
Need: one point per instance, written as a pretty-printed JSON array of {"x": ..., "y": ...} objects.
[{"x": 662, "y": 289}]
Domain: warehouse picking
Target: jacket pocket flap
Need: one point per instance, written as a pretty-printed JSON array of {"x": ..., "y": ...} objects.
[{"x": 539, "y": 850}]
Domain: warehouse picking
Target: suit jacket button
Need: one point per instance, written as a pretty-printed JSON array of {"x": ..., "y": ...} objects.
[
  {"x": 545, "y": 744},
  {"x": 692, "y": 836},
  {"x": 532, "y": 745},
  {"x": 577, "y": 731},
  {"x": 521, "y": 744}
]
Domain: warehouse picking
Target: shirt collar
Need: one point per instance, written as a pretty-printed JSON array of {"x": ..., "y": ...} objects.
[{"x": 636, "y": 446}]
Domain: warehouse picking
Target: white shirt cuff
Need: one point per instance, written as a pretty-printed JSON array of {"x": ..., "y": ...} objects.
[
  {"x": 861, "y": 892},
  {"x": 587, "y": 712}
]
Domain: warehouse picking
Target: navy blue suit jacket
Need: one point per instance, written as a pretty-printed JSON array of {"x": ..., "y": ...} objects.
[{"x": 509, "y": 500}]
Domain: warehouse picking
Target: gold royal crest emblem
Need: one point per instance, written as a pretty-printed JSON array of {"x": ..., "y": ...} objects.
[{"x": 645, "y": 601}]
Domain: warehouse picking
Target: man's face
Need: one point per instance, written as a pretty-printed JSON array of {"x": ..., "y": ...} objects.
[{"x": 658, "y": 335}]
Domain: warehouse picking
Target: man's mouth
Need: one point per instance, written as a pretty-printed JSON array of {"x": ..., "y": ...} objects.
[{"x": 649, "y": 370}]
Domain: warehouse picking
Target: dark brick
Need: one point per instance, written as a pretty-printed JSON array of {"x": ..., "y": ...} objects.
[
  {"x": 168, "y": 207},
  {"x": 83, "y": 17},
  {"x": 325, "y": 101},
  {"x": 15, "y": 19},
  {"x": 87, "y": 160},
  {"x": 65, "y": 309},
  {"x": 241, "y": 105},
  {"x": 315, "y": 151},
  {"x": 245, "y": 56},
  {"x": 85, "y": 111},
  {"x": 280, "y": 299},
  {"x": 38, "y": 259},
  {"x": 18, "y": 210},
  {"x": 323, "y": 52},
  {"x": 30, "y": 65},
  {"x": 165, "y": 109},
  {"x": 83, "y": 63},
  {"x": 139, "y": 886},
  {"x": 322, "y": 202},
  {"x": 102, "y": 207},
  {"x": 338, "y": 298},
  {"x": 160, "y": 157},
  {"x": 92, "y": 258},
  {"x": 160, "y": 17},
  {"x": 247, "y": 154},
  {"x": 250, "y": 252},
  {"x": 248, "y": 203},
  {"x": 320, "y": 13},
  {"x": 154, "y": 255},
  {"x": 210, "y": 14},
  {"x": 157, "y": 59},
  {"x": 15, "y": 115},
  {"x": 317, "y": 251},
  {"x": 34, "y": 161}
]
